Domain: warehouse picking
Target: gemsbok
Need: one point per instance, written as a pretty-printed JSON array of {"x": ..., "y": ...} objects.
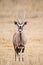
[{"x": 19, "y": 40}]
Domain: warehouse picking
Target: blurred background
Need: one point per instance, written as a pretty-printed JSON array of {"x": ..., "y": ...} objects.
[{"x": 33, "y": 10}]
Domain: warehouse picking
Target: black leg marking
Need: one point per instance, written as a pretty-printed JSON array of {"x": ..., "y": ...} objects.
[
  {"x": 23, "y": 50},
  {"x": 17, "y": 50}
]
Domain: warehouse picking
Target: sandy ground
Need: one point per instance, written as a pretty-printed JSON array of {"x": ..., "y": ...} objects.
[{"x": 33, "y": 54}]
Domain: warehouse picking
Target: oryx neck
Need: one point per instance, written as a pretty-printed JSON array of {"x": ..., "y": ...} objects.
[{"x": 20, "y": 35}]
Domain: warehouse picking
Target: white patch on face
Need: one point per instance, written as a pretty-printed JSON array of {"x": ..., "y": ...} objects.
[
  {"x": 20, "y": 30},
  {"x": 20, "y": 27}
]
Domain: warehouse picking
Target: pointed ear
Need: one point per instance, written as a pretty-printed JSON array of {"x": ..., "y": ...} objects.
[
  {"x": 25, "y": 22},
  {"x": 15, "y": 22}
]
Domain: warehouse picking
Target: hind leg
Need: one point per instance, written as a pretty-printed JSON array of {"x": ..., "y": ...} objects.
[{"x": 15, "y": 56}]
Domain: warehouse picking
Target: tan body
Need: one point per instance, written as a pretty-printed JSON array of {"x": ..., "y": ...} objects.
[{"x": 17, "y": 42}]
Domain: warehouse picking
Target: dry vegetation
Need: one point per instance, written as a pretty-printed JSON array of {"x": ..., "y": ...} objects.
[{"x": 34, "y": 31}]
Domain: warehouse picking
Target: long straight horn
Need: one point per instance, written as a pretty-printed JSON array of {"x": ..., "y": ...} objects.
[
  {"x": 24, "y": 14},
  {"x": 17, "y": 16}
]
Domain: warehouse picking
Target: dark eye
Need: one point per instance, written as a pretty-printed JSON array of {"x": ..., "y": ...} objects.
[
  {"x": 25, "y": 22},
  {"x": 15, "y": 22}
]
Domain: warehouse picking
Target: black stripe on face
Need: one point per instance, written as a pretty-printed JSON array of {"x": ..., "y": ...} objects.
[{"x": 20, "y": 28}]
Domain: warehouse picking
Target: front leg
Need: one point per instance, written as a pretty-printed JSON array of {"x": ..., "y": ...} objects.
[
  {"x": 19, "y": 56},
  {"x": 23, "y": 54}
]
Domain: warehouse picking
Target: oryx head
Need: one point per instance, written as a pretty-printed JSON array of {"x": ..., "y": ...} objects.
[{"x": 20, "y": 24}]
